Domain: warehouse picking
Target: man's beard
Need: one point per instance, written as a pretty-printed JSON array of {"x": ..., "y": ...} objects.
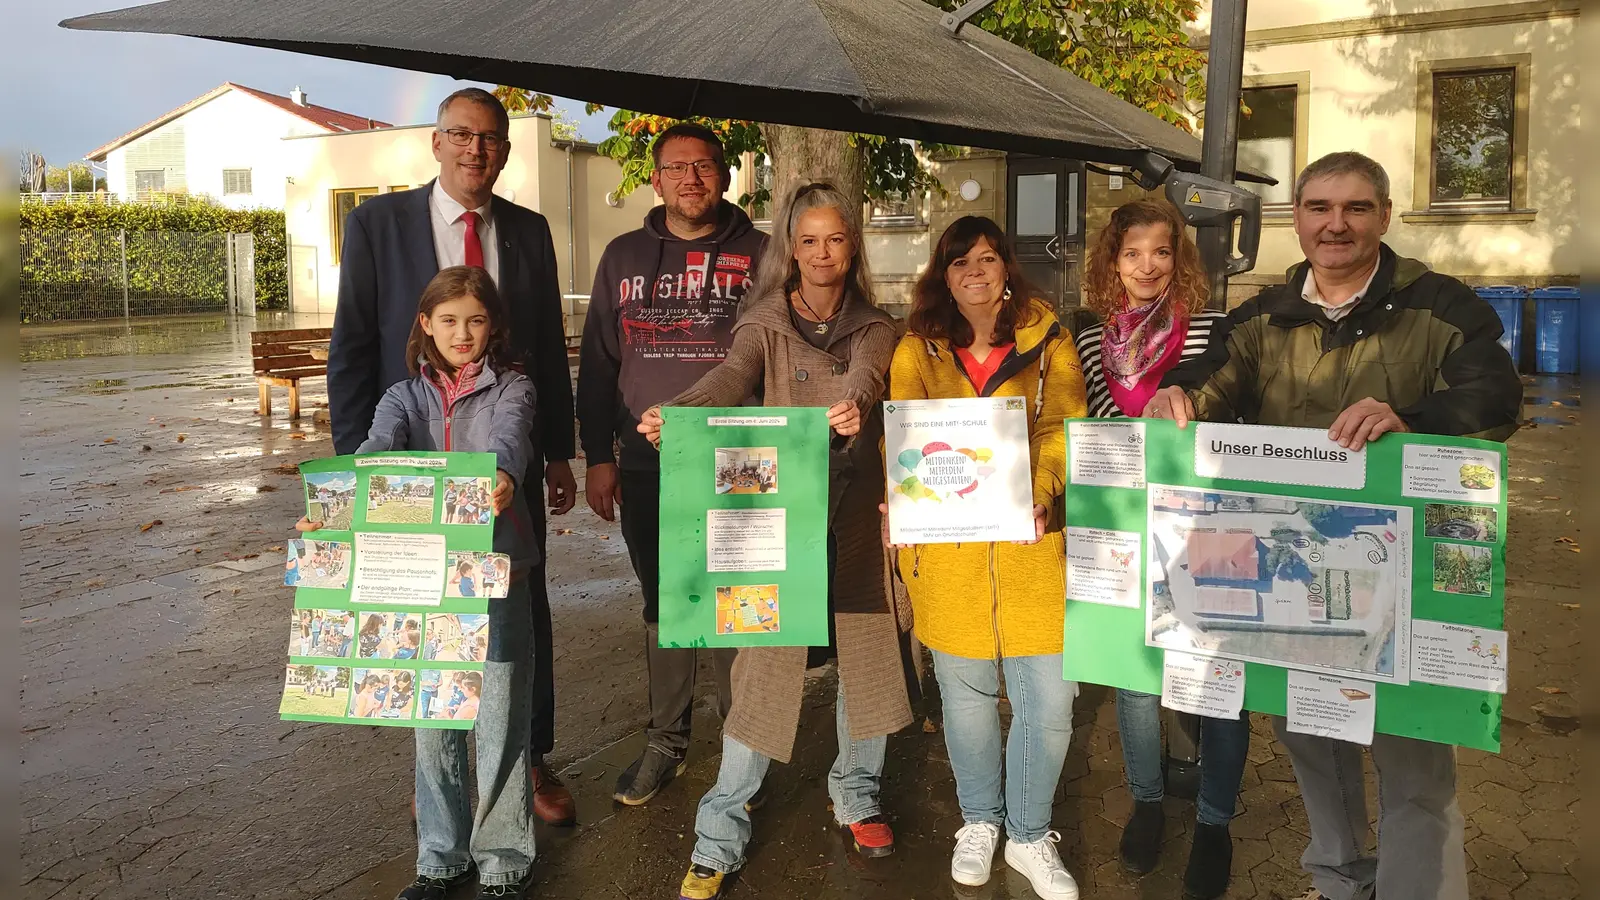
[{"x": 704, "y": 217}]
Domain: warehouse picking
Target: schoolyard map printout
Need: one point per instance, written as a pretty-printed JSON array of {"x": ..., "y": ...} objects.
[
  {"x": 1301, "y": 561},
  {"x": 390, "y": 624},
  {"x": 744, "y": 527},
  {"x": 958, "y": 470}
]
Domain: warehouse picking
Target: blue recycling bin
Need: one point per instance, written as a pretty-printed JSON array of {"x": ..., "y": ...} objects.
[
  {"x": 1556, "y": 332},
  {"x": 1507, "y": 300}
]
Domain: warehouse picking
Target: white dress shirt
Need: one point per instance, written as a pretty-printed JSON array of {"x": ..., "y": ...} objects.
[
  {"x": 450, "y": 232},
  {"x": 1311, "y": 294}
]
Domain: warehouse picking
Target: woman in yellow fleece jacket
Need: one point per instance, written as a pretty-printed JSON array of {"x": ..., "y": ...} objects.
[{"x": 976, "y": 330}]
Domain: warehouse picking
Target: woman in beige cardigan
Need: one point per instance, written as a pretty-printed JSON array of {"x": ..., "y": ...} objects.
[{"x": 811, "y": 337}]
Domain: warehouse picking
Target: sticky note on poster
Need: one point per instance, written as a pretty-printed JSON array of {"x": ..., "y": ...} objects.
[
  {"x": 746, "y": 540},
  {"x": 1450, "y": 473},
  {"x": 398, "y": 568},
  {"x": 1458, "y": 656},
  {"x": 1103, "y": 567},
  {"x": 1107, "y": 454},
  {"x": 1202, "y": 685},
  {"x": 1329, "y": 706}
]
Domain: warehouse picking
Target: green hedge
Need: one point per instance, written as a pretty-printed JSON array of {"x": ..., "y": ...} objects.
[{"x": 72, "y": 274}]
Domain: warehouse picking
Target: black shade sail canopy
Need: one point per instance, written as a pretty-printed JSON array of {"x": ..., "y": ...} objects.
[{"x": 884, "y": 67}]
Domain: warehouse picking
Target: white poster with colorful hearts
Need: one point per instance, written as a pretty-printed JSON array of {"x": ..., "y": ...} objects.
[{"x": 958, "y": 470}]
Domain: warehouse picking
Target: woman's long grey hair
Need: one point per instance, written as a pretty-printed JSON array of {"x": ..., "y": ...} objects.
[{"x": 778, "y": 271}]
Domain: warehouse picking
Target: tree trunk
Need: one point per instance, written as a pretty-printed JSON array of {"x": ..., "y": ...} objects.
[{"x": 800, "y": 155}]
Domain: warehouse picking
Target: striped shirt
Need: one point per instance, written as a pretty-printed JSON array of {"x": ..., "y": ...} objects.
[{"x": 1101, "y": 406}]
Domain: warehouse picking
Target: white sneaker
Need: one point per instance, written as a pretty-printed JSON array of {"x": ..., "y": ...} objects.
[
  {"x": 1042, "y": 866},
  {"x": 974, "y": 855}
]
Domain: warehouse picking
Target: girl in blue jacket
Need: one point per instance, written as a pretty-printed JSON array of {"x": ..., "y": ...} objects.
[{"x": 464, "y": 397}]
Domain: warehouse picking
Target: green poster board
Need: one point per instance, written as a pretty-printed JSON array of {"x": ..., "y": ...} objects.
[
  {"x": 390, "y": 622},
  {"x": 1452, "y": 491},
  {"x": 744, "y": 525}
]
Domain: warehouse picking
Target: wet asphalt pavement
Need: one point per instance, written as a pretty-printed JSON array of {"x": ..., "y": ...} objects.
[{"x": 153, "y": 763}]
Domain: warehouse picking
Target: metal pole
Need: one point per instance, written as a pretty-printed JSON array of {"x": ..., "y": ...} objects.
[
  {"x": 1220, "y": 140},
  {"x": 122, "y": 242},
  {"x": 232, "y": 291}
]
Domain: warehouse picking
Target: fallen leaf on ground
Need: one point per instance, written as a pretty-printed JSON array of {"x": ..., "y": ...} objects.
[
  {"x": 296, "y": 436},
  {"x": 182, "y": 436},
  {"x": 605, "y": 537},
  {"x": 265, "y": 489},
  {"x": 1569, "y": 606},
  {"x": 162, "y": 425},
  {"x": 149, "y": 525},
  {"x": 1557, "y": 403},
  {"x": 1548, "y": 497},
  {"x": 276, "y": 548},
  {"x": 95, "y": 582},
  {"x": 109, "y": 441},
  {"x": 1565, "y": 540},
  {"x": 144, "y": 448},
  {"x": 1551, "y": 689},
  {"x": 287, "y": 469},
  {"x": 928, "y": 727},
  {"x": 182, "y": 488},
  {"x": 563, "y": 531}
]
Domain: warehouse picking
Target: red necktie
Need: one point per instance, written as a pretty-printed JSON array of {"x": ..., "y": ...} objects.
[{"x": 474, "y": 246}]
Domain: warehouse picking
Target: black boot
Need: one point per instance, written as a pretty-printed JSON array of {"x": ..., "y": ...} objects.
[
  {"x": 1141, "y": 837},
  {"x": 1210, "y": 862}
]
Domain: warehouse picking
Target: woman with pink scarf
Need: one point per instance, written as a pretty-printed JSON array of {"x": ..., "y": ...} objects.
[{"x": 1145, "y": 279}]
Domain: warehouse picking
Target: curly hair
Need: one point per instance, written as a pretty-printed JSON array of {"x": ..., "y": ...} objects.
[
  {"x": 934, "y": 313},
  {"x": 1104, "y": 293}
]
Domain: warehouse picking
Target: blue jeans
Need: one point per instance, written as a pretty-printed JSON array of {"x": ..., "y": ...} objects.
[
  {"x": 1223, "y": 746},
  {"x": 499, "y": 837},
  {"x": 1041, "y": 730},
  {"x": 722, "y": 826}
]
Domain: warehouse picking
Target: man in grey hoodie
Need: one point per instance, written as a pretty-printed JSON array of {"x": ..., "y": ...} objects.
[{"x": 661, "y": 315}]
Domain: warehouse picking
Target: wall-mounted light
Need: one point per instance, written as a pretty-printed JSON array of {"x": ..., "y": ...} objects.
[
  {"x": 970, "y": 190},
  {"x": 612, "y": 200}
]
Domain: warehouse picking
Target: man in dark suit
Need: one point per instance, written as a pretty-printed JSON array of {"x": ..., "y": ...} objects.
[{"x": 393, "y": 245}]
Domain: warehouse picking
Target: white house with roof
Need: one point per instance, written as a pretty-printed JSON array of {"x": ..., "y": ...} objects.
[{"x": 226, "y": 144}]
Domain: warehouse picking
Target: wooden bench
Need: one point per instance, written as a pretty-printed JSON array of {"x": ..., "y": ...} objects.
[{"x": 282, "y": 358}]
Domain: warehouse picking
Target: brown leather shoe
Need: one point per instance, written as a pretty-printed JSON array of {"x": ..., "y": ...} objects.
[{"x": 552, "y": 802}]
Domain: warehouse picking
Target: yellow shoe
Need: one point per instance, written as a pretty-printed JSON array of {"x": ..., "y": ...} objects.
[{"x": 701, "y": 883}]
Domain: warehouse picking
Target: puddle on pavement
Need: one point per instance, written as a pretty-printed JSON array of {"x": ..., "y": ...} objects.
[{"x": 1549, "y": 420}]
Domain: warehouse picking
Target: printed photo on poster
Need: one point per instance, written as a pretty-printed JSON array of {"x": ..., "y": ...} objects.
[
  {"x": 321, "y": 632},
  {"x": 317, "y": 564},
  {"x": 467, "y": 501},
  {"x": 747, "y": 470},
  {"x": 477, "y": 575},
  {"x": 389, "y": 636},
  {"x": 958, "y": 470},
  {"x": 315, "y": 691},
  {"x": 449, "y": 694},
  {"x": 330, "y": 496},
  {"x": 1302, "y": 584},
  {"x": 1463, "y": 569},
  {"x": 400, "y": 499},
  {"x": 382, "y": 693},
  {"x": 457, "y": 637},
  {"x": 1451, "y": 473},
  {"x": 1461, "y": 523},
  {"x": 747, "y": 609}
]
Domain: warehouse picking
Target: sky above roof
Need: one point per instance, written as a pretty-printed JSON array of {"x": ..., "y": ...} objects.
[{"x": 86, "y": 88}]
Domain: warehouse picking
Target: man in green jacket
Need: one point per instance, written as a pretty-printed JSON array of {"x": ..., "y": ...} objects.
[{"x": 1363, "y": 342}]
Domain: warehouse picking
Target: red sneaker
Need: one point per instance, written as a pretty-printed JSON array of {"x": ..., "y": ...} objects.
[{"x": 872, "y": 837}]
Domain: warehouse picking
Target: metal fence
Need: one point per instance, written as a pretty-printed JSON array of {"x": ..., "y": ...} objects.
[{"x": 97, "y": 274}]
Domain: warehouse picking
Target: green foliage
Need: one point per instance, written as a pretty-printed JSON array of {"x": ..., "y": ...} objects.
[
  {"x": 164, "y": 260},
  {"x": 1462, "y": 569},
  {"x": 1135, "y": 49},
  {"x": 77, "y": 177}
]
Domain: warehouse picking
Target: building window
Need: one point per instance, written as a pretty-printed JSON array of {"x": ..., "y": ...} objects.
[
  {"x": 149, "y": 180},
  {"x": 1474, "y": 121},
  {"x": 897, "y": 208},
  {"x": 236, "y": 181},
  {"x": 1268, "y": 141},
  {"x": 343, "y": 202}
]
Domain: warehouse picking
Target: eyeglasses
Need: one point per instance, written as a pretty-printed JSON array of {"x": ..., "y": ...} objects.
[
  {"x": 705, "y": 168},
  {"x": 462, "y": 137}
]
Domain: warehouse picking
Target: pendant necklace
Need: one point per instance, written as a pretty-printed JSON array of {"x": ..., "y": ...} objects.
[{"x": 821, "y": 325}]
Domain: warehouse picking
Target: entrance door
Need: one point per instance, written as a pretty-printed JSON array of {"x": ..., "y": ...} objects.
[{"x": 1044, "y": 216}]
